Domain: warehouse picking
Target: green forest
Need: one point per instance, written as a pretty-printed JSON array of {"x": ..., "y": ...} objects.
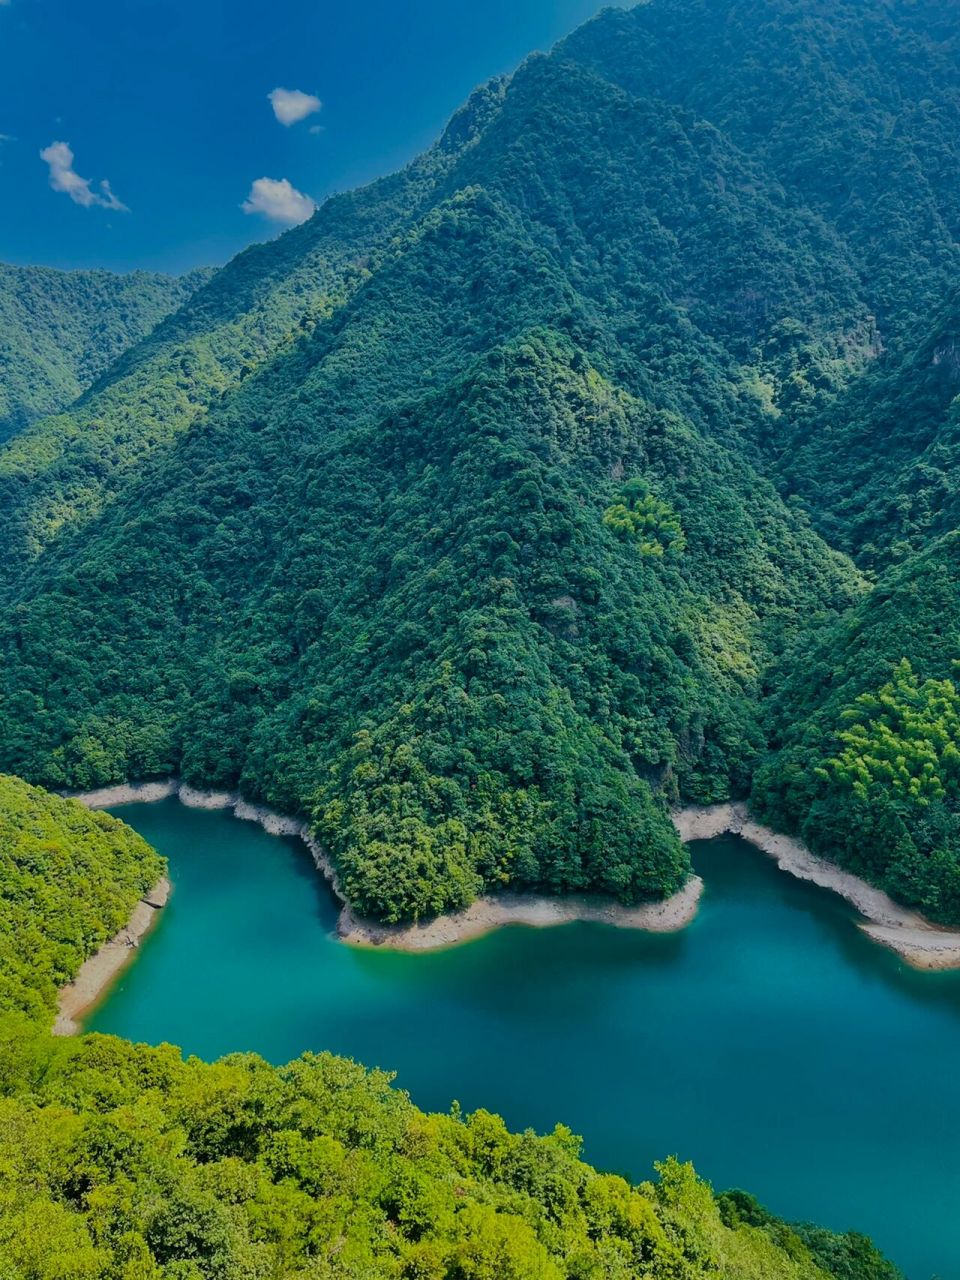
[
  {"x": 598, "y": 461},
  {"x": 61, "y": 330},
  {"x": 69, "y": 880},
  {"x": 125, "y": 1162},
  {"x": 601, "y": 460}
]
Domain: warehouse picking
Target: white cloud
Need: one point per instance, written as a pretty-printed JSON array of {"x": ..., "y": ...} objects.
[
  {"x": 59, "y": 157},
  {"x": 277, "y": 200},
  {"x": 291, "y": 105}
]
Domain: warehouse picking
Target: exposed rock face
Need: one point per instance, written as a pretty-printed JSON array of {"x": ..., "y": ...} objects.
[{"x": 946, "y": 358}]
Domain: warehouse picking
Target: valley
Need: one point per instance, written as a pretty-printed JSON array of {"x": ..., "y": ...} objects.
[
  {"x": 563, "y": 530},
  {"x": 741, "y": 1042}
]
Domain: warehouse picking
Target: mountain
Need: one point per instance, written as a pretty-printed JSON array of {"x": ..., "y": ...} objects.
[
  {"x": 62, "y": 329},
  {"x": 126, "y": 1160},
  {"x": 863, "y": 723},
  {"x": 60, "y": 471},
  {"x": 498, "y": 505}
]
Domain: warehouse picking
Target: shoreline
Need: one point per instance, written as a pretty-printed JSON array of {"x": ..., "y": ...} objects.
[
  {"x": 535, "y": 911},
  {"x": 483, "y": 916},
  {"x": 922, "y": 944},
  {"x": 99, "y": 971},
  {"x": 916, "y": 940}
]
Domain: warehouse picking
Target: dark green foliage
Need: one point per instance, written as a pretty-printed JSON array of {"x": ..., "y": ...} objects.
[
  {"x": 853, "y": 110},
  {"x": 447, "y": 657},
  {"x": 879, "y": 463},
  {"x": 61, "y": 471},
  {"x": 475, "y": 517},
  {"x": 69, "y": 879},
  {"x": 864, "y": 764},
  {"x": 60, "y": 330}
]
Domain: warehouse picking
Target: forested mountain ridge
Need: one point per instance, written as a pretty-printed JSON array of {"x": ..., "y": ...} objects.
[
  {"x": 60, "y": 472},
  {"x": 441, "y": 660},
  {"x": 60, "y": 330},
  {"x": 854, "y": 109},
  {"x": 477, "y": 517},
  {"x": 877, "y": 467}
]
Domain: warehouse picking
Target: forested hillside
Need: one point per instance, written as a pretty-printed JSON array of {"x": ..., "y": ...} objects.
[
  {"x": 122, "y": 1160},
  {"x": 480, "y": 517},
  {"x": 60, "y": 330},
  {"x": 69, "y": 879}
]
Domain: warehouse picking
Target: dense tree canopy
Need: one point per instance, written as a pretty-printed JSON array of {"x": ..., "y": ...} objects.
[
  {"x": 604, "y": 457},
  {"x": 69, "y": 879},
  {"x": 122, "y": 1160},
  {"x": 477, "y": 518},
  {"x": 866, "y": 740},
  {"x": 60, "y": 330}
]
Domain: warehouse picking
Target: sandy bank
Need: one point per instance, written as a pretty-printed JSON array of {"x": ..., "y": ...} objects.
[
  {"x": 922, "y": 944},
  {"x": 535, "y": 911},
  {"x": 99, "y": 970},
  {"x": 485, "y": 915}
]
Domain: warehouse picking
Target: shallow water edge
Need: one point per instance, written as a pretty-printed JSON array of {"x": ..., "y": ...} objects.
[
  {"x": 918, "y": 941},
  {"x": 98, "y": 972}
]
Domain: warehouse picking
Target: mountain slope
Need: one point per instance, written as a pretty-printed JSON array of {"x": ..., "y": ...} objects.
[
  {"x": 877, "y": 465},
  {"x": 863, "y": 726},
  {"x": 123, "y": 1159},
  {"x": 670, "y": 214},
  {"x": 62, "y": 329},
  {"x": 853, "y": 109},
  {"x": 865, "y": 732},
  {"x": 59, "y": 473},
  {"x": 69, "y": 880},
  {"x": 449, "y": 518}
]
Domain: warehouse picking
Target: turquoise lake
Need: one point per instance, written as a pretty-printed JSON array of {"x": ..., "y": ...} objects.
[{"x": 770, "y": 1042}]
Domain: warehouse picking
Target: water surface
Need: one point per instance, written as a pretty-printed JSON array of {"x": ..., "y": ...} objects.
[{"x": 770, "y": 1042}]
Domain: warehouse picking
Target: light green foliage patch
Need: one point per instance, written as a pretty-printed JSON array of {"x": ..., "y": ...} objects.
[
  {"x": 121, "y": 1160},
  {"x": 904, "y": 739},
  {"x": 644, "y": 519}
]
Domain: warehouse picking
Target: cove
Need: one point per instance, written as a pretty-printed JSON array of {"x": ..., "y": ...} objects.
[{"x": 769, "y": 1042}]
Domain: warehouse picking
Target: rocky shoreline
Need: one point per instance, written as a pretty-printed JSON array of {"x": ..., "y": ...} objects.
[
  {"x": 920, "y": 943},
  {"x": 915, "y": 939},
  {"x": 533, "y": 910},
  {"x": 99, "y": 971},
  {"x": 483, "y": 916}
]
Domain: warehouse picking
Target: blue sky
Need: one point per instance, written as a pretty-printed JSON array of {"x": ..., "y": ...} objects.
[{"x": 167, "y": 102}]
